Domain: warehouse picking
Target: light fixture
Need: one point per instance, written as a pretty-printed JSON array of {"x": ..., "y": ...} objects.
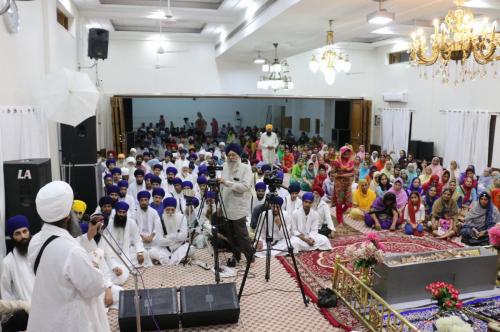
[
  {"x": 276, "y": 74},
  {"x": 330, "y": 59},
  {"x": 381, "y": 16},
  {"x": 259, "y": 60},
  {"x": 460, "y": 38},
  {"x": 162, "y": 14}
]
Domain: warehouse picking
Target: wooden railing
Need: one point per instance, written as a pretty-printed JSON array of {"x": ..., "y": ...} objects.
[{"x": 376, "y": 314}]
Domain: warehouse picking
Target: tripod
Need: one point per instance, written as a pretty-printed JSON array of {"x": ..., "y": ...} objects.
[
  {"x": 216, "y": 220},
  {"x": 264, "y": 222}
]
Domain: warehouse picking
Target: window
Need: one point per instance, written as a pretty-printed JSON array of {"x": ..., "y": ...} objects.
[
  {"x": 318, "y": 124},
  {"x": 399, "y": 57},
  {"x": 62, "y": 19},
  {"x": 287, "y": 122},
  {"x": 305, "y": 124}
]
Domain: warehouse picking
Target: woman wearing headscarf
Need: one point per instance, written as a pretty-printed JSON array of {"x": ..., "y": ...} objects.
[
  {"x": 436, "y": 167},
  {"x": 454, "y": 171},
  {"x": 388, "y": 170},
  {"x": 414, "y": 215},
  {"x": 297, "y": 171},
  {"x": 320, "y": 176},
  {"x": 412, "y": 171},
  {"x": 478, "y": 221},
  {"x": 470, "y": 172},
  {"x": 402, "y": 159},
  {"x": 380, "y": 164},
  {"x": 467, "y": 192},
  {"x": 445, "y": 207},
  {"x": 361, "y": 152},
  {"x": 307, "y": 176},
  {"x": 430, "y": 198},
  {"x": 375, "y": 181},
  {"x": 401, "y": 196},
  {"x": 426, "y": 175},
  {"x": 415, "y": 185},
  {"x": 411, "y": 161},
  {"x": 343, "y": 168},
  {"x": 364, "y": 168},
  {"x": 374, "y": 157},
  {"x": 433, "y": 182},
  {"x": 383, "y": 213},
  {"x": 485, "y": 180},
  {"x": 445, "y": 178},
  {"x": 405, "y": 178},
  {"x": 383, "y": 185},
  {"x": 494, "y": 190}
]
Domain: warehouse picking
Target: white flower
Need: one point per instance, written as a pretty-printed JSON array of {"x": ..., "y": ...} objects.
[{"x": 452, "y": 324}]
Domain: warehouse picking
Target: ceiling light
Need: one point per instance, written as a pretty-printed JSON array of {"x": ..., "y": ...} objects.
[
  {"x": 381, "y": 16},
  {"x": 276, "y": 75},
  {"x": 384, "y": 31},
  {"x": 259, "y": 60},
  {"x": 477, "y": 4},
  {"x": 157, "y": 15}
]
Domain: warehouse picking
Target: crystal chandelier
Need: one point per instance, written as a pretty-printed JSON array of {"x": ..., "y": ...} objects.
[
  {"x": 470, "y": 43},
  {"x": 330, "y": 59},
  {"x": 276, "y": 75}
]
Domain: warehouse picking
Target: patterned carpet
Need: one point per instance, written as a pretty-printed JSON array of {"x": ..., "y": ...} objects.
[
  {"x": 316, "y": 267},
  {"x": 265, "y": 306}
]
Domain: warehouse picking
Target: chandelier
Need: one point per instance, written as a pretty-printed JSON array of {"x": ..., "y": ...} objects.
[
  {"x": 470, "y": 43},
  {"x": 330, "y": 59},
  {"x": 276, "y": 74}
]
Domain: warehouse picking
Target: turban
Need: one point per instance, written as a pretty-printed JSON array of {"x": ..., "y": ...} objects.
[
  {"x": 308, "y": 197},
  {"x": 153, "y": 162},
  {"x": 202, "y": 180},
  {"x": 168, "y": 154},
  {"x": 362, "y": 181},
  {"x": 84, "y": 227},
  {"x": 113, "y": 189},
  {"x": 319, "y": 190},
  {"x": 107, "y": 176},
  {"x": 269, "y": 126},
  {"x": 191, "y": 165},
  {"x": 222, "y": 143},
  {"x": 236, "y": 148},
  {"x": 130, "y": 160},
  {"x": 158, "y": 192},
  {"x": 123, "y": 184},
  {"x": 266, "y": 167},
  {"x": 54, "y": 201},
  {"x": 125, "y": 171},
  {"x": 121, "y": 156},
  {"x": 169, "y": 202},
  {"x": 210, "y": 194},
  {"x": 182, "y": 151},
  {"x": 16, "y": 222},
  {"x": 159, "y": 166},
  {"x": 156, "y": 179},
  {"x": 143, "y": 194},
  {"x": 278, "y": 200},
  {"x": 260, "y": 186},
  {"x": 79, "y": 206},
  {"x": 294, "y": 187},
  {"x": 208, "y": 155},
  {"x": 202, "y": 169},
  {"x": 280, "y": 175},
  {"x": 260, "y": 164},
  {"x": 185, "y": 163},
  {"x": 110, "y": 161},
  {"x": 171, "y": 170},
  {"x": 187, "y": 184},
  {"x": 195, "y": 201},
  {"x": 105, "y": 200},
  {"x": 176, "y": 181},
  {"x": 138, "y": 172},
  {"x": 121, "y": 206},
  {"x": 146, "y": 153},
  {"x": 116, "y": 170},
  {"x": 148, "y": 176},
  {"x": 133, "y": 150},
  {"x": 193, "y": 156}
]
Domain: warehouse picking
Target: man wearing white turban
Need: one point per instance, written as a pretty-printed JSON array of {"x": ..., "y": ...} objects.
[{"x": 67, "y": 295}]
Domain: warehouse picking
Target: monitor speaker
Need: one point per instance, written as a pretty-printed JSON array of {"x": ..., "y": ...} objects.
[
  {"x": 160, "y": 302},
  {"x": 209, "y": 305},
  {"x": 425, "y": 150},
  {"x": 98, "y": 43},
  {"x": 23, "y": 180}
]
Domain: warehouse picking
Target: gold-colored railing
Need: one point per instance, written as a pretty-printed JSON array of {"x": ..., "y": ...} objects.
[{"x": 376, "y": 314}]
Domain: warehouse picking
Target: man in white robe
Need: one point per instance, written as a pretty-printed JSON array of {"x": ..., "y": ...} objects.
[
  {"x": 148, "y": 223},
  {"x": 269, "y": 142},
  {"x": 137, "y": 185},
  {"x": 305, "y": 228},
  {"x": 182, "y": 159},
  {"x": 125, "y": 196},
  {"x": 325, "y": 224},
  {"x": 68, "y": 289},
  {"x": 168, "y": 186},
  {"x": 171, "y": 248},
  {"x": 178, "y": 195},
  {"x": 276, "y": 226},
  {"x": 292, "y": 202},
  {"x": 124, "y": 231}
]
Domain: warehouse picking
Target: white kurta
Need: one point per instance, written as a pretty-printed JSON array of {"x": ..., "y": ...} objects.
[
  {"x": 307, "y": 225},
  {"x": 17, "y": 280},
  {"x": 134, "y": 188},
  {"x": 236, "y": 192},
  {"x": 171, "y": 248},
  {"x": 325, "y": 216},
  {"x": 269, "y": 144},
  {"x": 68, "y": 288},
  {"x": 130, "y": 201},
  {"x": 290, "y": 206},
  {"x": 204, "y": 230},
  {"x": 148, "y": 222},
  {"x": 277, "y": 232}
]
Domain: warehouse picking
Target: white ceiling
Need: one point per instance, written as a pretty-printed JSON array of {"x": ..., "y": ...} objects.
[{"x": 238, "y": 28}]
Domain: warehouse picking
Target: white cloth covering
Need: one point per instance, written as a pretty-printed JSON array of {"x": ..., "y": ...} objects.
[
  {"x": 68, "y": 288},
  {"x": 17, "y": 280},
  {"x": 307, "y": 225}
]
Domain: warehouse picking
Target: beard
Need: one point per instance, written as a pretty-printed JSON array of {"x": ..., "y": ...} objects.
[
  {"x": 122, "y": 195},
  {"x": 268, "y": 133},
  {"x": 120, "y": 221},
  {"x": 139, "y": 182},
  {"x": 144, "y": 208},
  {"x": 22, "y": 246}
]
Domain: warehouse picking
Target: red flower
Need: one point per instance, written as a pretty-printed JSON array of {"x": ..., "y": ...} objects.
[{"x": 459, "y": 305}]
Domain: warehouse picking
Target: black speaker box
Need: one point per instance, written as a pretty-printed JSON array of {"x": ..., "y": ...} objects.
[
  {"x": 162, "y": 302},
  {"x": 23, "y": 179},
  {"x": 413, "y": 148},
  {"x": 209, "y": 305},
  {"x": 98, "y": 43},
  {"x": 425, "y": 150},
  {"x": 83, "y": 180},
  {"x": 79, "y": 144}
]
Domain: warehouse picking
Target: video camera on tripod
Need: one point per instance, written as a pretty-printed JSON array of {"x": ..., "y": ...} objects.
[
  {"x": 212, "y": 175},
  {"x": 273, "y": 180}
]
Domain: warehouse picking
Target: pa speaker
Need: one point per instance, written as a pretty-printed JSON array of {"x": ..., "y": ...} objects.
[
  {"x": 161, "y": 302},
  {"x": 98, "y": 44},
  {"x": 209, "y": 305},
  {"x": 23, "y": 180},
  {"x": 79, "y": 144},
  {"x": 413, "y": 148},
  {"x": 425, "y": 150}
]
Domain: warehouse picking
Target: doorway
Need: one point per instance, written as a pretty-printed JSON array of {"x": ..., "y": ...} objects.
[{"x": 352, "y": 123}]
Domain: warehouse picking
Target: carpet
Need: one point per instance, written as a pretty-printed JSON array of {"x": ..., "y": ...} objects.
[
  {"x": 423, "y": 318},
  {"x": 316, "y": 267}
]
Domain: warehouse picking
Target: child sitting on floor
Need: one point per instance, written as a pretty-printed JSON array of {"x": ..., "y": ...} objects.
[
  {"x": 446, "y": 228},
  {"x": 414, "y": 215}
]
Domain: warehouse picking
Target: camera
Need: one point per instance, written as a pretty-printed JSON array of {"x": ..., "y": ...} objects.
[
  {"x": 189, "y": 200},
  {"x": 212, "y": 169},
  {"x": 272, "y": 180}
]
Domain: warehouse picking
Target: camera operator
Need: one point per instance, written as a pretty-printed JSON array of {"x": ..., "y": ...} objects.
[{"x": 236, "y": 186}]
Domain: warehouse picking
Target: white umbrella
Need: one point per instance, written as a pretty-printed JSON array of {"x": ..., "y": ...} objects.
[{"x": 68, "y": 97}]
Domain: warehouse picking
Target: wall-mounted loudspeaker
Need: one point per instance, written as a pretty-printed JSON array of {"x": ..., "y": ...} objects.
[{"x": 98, "y": 44}]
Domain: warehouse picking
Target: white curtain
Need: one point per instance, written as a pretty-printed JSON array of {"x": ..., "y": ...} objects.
[
  {"x": 467, "y": 138},
  {"x": 23, "y": 134},
  {"x": 395, "y": 129}
]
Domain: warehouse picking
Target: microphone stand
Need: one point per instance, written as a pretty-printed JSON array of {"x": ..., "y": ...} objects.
[{"x": 134, "y": 273}]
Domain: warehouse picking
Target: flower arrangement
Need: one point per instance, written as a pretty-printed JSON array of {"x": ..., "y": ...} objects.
[
  {"x": 452, "y": 324},
  {"x": 494, "y": 234},
  {"x": 366, "y": 254},
  {"x": 446, "y": 295}
]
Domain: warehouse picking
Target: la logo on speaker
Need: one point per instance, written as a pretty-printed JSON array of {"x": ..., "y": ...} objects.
[{"x": 25, "y": 176}]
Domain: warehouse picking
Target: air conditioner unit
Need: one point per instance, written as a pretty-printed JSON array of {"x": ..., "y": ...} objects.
[{"x": 400, "y": 97}]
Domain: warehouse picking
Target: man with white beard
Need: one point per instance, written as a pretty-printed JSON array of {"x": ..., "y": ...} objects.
[
  {"x": 170, "y": 248},
  {"x": 148, "y": 222},
  {"x": 276, "y": 227},
  {"x": 325, "y": 224},
  {"x": 293, "y": 202},
  {"x": 124, "y": 231},
  {"x": 124, "y": 195},
  {"x": 138, "y": 184},
  {"x": 305, "y": 228},
  {"x": 269, "y": 142}
]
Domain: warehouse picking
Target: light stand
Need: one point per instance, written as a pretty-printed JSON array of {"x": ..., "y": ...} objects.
[{"x": 135, "y": 274}]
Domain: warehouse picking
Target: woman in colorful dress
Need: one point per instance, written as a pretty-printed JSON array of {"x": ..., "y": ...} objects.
[{"x": 343, "y": 168}]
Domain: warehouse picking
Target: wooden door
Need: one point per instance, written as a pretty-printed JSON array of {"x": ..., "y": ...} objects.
[
  {"x": 356, "y": 123},
  {"x": 118, "y": 123}
]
